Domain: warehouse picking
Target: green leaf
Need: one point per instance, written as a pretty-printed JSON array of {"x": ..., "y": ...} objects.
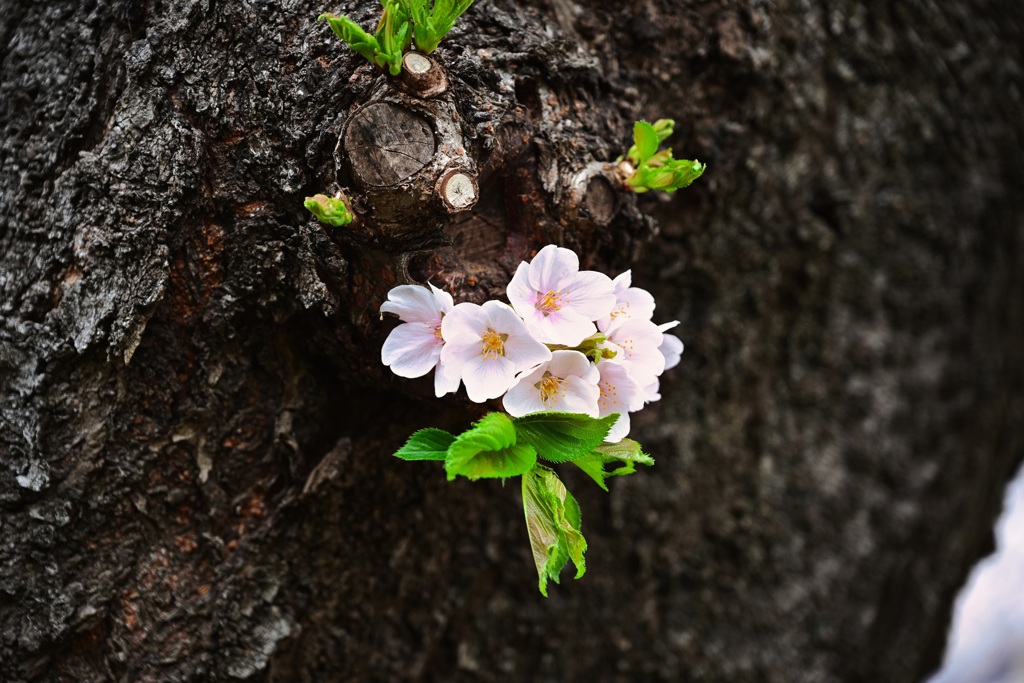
[
  {"x": 664, "y": 129},
  {"x": 553, "y": 523},
  {"x": 430, "y": 28},
  {"x": 562, "y": 437},
  {"x": 394, "y": 34},
  {"x": 686, "y": 172},
  {"x": 330, "y": 210},
  {"x": 353, "y": 34},
  {"x": 489, "y": 450},
  {"x": 426, "y": 444},
  {"x": 673, "y": 175},
  {"x": 626, "y": 454},
  {"x": 646, "y": 140}
]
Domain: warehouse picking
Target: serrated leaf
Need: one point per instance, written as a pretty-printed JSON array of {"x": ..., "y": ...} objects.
[
  {"x": 624, "y": 455},
  {"x": 673, "y": 175},
  {"x": 489, "y": 450},
  {"x": 553, "y": 522},
  {"x": 426, "y": 444},
  {"x": 563, "y": 437},
  {"x": 646, "y": 139}
]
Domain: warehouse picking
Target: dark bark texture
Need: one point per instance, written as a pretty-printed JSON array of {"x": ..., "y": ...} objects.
[{"x": 195, "y": 427}]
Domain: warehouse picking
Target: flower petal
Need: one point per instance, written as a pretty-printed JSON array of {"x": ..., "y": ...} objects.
[
  {"x": 620, "y": 392},
  {"x": 520, "y": 346},
  {"x": 619, "y": 430},
  {"x": 591, "y": 295},
  {"x": 651, "y": 391},
  {"x": 455, "y": 355},
  {"x": 446, "y": 380},
  {"x": 639, "y": 341},
  {"x": 580, "y": 397},
  {"x": 631, "y": 303},
  {"x": 464, "y": 323},
  {"x": 672, "y": 348},
  {"x": 487, "y": 378},
  {"x": 553, "y": 268},
  {"x": 411, "y": 350},
  {"x": 566, "y": 327},
  {"x": 412, "y": 304},
  {"x": 566, "y": 363},
  {"x": 443, "y": 299},
  {"x": 523, "y": 398},
  {"x": 522, "y": 297}
]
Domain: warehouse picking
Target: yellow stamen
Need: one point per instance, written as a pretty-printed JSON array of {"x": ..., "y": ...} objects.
[
  {"x": 494, "y": 344},
  {"x": 620, "y": 310},
  {"x": 550, "y": 302},
  {"x": 551, "y": 389},
  {"x": 609, "y": 395}
]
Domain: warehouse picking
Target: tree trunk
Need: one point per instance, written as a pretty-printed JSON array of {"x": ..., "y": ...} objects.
[{"x": 195, "y": 427}]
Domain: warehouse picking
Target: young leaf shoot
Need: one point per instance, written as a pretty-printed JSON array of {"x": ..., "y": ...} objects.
[{"x": 651, "y": 169}]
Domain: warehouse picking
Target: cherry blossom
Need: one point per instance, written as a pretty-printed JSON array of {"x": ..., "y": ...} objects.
[
  {"x": 671, "y": 346},
  {"x": 414, "y": 348},
  {"x": 672, "y": 349},
  {"x": 486, "y": 347},
  {"x": 630, "y": 302},
  {"x": 519, "y": 351},
  {"x": 621, "y": 394},
  {"x": 558, "y": 302},
  {"x": 636, "y": 343},
  {"x": 567, "y": 383}
]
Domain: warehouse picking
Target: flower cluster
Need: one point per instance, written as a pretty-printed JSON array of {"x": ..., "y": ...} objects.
[{"x": 572, "y": 341}]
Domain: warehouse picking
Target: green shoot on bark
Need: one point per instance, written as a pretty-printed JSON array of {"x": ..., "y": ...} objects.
[
  {"x": 651, "y": 169},
  {"x": 402, "y": 22},
  {"x": 431, "y": 24},
  {"x": 331, "y": 210}
]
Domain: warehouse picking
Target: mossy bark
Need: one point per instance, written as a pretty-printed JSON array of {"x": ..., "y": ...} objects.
[{"x": 195, "y": 428}]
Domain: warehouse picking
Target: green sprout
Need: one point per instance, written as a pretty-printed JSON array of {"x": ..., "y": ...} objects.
[
  {"x": 652, "y": 169},
  {"x": 386, "y": 47},
  {"x": 331, "y": 210},
  {"x": 431, "y": 24},
  {"x": 402, "y": 22}
]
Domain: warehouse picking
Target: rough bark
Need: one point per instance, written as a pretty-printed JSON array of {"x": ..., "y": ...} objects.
[{"x": 195, "y": 427}]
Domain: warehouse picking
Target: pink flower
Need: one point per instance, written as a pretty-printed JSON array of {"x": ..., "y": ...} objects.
[
  {"x": 672, "y": 349},
  {"x": 630, "y": 302},
  {"x": 620, "y": 394},
  {"x": 671, "y": 345},
  {"x": 414, "y": 348},
  {"x": 636, "y": 343},
  {"x": 567, "y": 383},
  {"x": 486, "y": 347},
  {"x": 556, "y": 300}
]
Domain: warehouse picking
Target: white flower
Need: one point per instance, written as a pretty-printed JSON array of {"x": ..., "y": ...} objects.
[
  {"x": 620, "y": 394},
  {"x": 486, "y": 346},
  {"x": 671, "y": 348},
  {"x": 630, "y": 302},
  {"x": 556, "y": 300},
  {"x": 636, "y": 344},
  {"x": 414, "y": 348},
  {"x": 567, "y": 383},
  {"x": 651, "y": 391},
  {"x": 671, "y": 345}
]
